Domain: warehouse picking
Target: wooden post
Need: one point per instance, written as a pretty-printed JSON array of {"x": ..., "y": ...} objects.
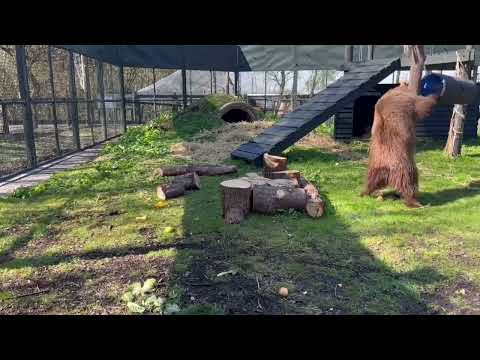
[
  {"x": 184, "y": 88},
  {"x": 154, "y": 93},
  {"x": 266, "y": 72},
  {"x": 417, "y": 64},
  {"x": 294, "y": 90},
  {"x": 101, "y": 95},
  {"x": 453, "y": 148},
  {"x": 74, "y": 107},
  {"x": 370, "y": 50},
  {"x": 22, "y": 73},
  {"x": 54, "y": 106},
  {"x": 123, "y": 117}
]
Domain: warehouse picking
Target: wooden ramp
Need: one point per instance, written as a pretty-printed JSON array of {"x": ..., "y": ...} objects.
[{"x": 296, "y": 124}]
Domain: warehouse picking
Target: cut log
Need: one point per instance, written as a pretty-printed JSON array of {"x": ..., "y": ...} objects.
[
  {"x": 287, "y": 174},
  {"x": 268, "y": 199},
  {"x": 236, "y": 200},
  {"x": 272, "y": 163},
  {"x": 283, "y": 183},
  {"x": 190, "y": 181},
  {"x": 256, "y": 181},
  {"x": 201, "y": 170},
  {"x": 170, "y": 191}
]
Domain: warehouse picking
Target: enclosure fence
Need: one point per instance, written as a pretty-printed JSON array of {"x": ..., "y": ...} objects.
[{"x": 54, "y": 102}]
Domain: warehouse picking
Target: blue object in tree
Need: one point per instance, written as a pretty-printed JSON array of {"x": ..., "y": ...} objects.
[{"x": 432, "y": 84}]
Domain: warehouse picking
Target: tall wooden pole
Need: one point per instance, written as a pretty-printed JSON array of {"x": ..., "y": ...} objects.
[{"x": 453, "y": 148}]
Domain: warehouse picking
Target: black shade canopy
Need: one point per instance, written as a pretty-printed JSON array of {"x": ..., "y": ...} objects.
[{"x": 235, "y": 57}]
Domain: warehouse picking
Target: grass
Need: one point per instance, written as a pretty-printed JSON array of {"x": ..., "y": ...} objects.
[{"x": 79, "y": 237}]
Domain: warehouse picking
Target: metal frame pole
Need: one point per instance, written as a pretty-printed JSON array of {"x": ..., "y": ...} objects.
[
  {"x": 22, "y": 73},
  {"x": 54, "y": 105}
]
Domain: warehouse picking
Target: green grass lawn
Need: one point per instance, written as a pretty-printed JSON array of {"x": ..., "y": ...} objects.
[{"x": 76, "y": 243}]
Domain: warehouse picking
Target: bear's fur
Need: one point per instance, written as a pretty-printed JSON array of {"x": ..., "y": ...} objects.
[{"x": 392, "y": 147}]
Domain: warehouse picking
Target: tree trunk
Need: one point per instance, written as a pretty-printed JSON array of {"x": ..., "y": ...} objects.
[
  {"x": 236, "y": 200},
  {"x": 273, "y": 163},
  {"x": 453, "y": 148},
  {"x": 417, "y": 63}
]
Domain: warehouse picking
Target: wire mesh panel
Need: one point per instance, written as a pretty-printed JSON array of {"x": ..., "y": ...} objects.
[
  {"x": 65, "y": 132},
  {"x": 12, "y": 141},
  {"x": 44, "y": 132}
]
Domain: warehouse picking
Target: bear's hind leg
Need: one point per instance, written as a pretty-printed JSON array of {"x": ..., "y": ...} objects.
[{"x": 376, "y": 180}]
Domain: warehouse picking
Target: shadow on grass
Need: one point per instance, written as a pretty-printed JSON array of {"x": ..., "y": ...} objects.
[
  {"x": 322, "y": 262},
  {"x": 446, "y": 196}
]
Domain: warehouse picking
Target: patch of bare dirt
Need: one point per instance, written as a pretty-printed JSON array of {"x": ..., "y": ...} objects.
[
  {"x": 91, "y": 287},
  {"x": 461, "y": 298},
  {"x": 324, "y": 142}
]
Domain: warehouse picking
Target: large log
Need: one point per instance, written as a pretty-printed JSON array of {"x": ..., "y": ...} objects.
[
  {"x": 268, "y": 199},
  {"x": 236, "y": 200},
  {"x": 170, "y": 191},
  {"x": 272, "y": 163},
  {"x": 201, "y": 170},
  {"x": 315, "y": 206},
  {"x": 178, "y": 186},
  {"x": 190, "y": 181}
]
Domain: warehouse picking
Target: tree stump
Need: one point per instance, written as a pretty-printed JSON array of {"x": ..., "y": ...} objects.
[
  {"x": 236, "y": 200},
  {"x": 268, "y": 199},
  {"x": 315, "y": 207},
  {"x": 272, "y": 164}
]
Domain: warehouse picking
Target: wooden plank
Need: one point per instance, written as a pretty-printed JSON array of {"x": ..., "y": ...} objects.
[
  {"x": 267, "y": 139},
  {"x": 279, "y": 130},
  {"x": 254, "y": 148},
  {"x": 244, "y": 155}
]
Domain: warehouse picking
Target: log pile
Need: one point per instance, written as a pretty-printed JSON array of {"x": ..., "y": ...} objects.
[
  {"x": 187, "y": 177},
  {"x": 278, "y": 189}
]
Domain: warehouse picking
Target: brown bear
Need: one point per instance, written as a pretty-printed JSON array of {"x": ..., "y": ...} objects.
[{"x": 392, "y": 148}]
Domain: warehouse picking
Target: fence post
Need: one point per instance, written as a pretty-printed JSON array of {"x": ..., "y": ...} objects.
[
  {"x": 22, "y": 73},
  {"x": 73, "y": 94},
  {"x": 123, "y": 117},
  {"x": 54, "y": 105},
  {"x": 6, "y": 127},
  {"x": 101, "y": 94}
]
